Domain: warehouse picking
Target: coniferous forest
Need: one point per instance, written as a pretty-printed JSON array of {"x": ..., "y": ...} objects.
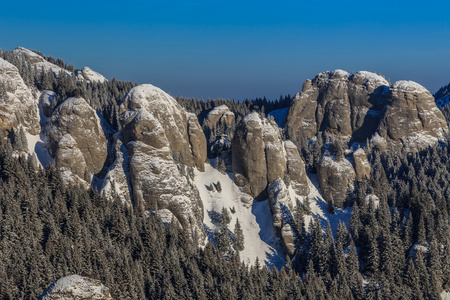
[{"x": 397, "y": 247}]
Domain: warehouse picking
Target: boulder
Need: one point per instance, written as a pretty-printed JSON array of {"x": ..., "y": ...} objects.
[
  {"x": 219, "y": 115},
  {"x": 336, "y": 178},
  {"x": 361, "y": 165},
  {"x": 74, "y": 131},
  {"x": 88, "y": 74},
  {"x": 75, "y": 287}
]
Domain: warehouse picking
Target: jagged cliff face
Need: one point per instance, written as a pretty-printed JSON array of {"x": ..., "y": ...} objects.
[
  {"x": 359, "y": 106},
  {"x": 220, "y": 115},
  {"x": 17, "y": 105},
  {"x": 159, "y": 135},
  {"x": 260, "y": 157}
]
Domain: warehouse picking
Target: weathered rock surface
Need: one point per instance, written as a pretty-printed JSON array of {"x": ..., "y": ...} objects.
[
  {"x": 361, "y": 164},
  {"x": 220, "y": 115},
  {"x": 296, "y": 169},
  {"x": 357, "y": 106},
  {"x": 89, "y": 75},
  {"x": 281, "y": 205},
  {"x": 258, "y": 154},
  {"x": 173, "y": 119},
  {"x": 412, "y": 117},
  {"x": 17, "y": 104},
  {"x": 48, "y": 101},
  {"x": 76, "y": 138},
  {"x": 156, "y": 130},
  {"x": 75, "y": 287},
  {"x": 116, "y": 182},
  {"x": 336, "y": 178}
]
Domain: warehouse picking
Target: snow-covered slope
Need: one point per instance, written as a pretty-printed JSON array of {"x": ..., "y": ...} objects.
[
  {"x": 255, "y": 217},
  {"x": 319, "y": 207}
]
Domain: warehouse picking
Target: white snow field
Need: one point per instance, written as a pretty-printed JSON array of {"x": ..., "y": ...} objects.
[{"x": 255, "y": 216}]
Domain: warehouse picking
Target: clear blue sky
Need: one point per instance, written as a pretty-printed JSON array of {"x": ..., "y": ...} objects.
[{"x": 236, "y": 49}]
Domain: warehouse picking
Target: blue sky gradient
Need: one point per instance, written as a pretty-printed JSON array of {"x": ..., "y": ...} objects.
[{"x": 231, "y": 49}]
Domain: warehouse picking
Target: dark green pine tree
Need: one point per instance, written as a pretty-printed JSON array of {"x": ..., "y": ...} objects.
[{"x": 238, "y": 237}]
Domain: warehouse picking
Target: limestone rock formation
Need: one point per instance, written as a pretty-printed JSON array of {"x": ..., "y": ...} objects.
[
  {"x": 220, "y": 115},
  {"x": 361, "y": 164},
  {"x": 116, "y": 182},
  {"x": 48, "y": 102},
  {"x": 358, "y": 106},
  {"x": 172, "y": 118},
  {"x": 75, "y": 287},
  {"x": 76, "y": 138},
  {"x": 163, "y": 141},
  {"x": 412, "y": 117},
  {"x": 281, "y": 206},
  {"x": 258, "y": 154},
  {"x": 89, "y": 75},
  {"x": 296, "y": 169},
  {"x": 18, "y": 106},
  {"x": 336, "y": 178}
]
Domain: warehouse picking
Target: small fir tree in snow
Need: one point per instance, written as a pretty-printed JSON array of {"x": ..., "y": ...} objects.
[
  {"x": 219, "y": 186},
  {"x": 238, "y": 237},
  {"x": 225, "y": 216}
]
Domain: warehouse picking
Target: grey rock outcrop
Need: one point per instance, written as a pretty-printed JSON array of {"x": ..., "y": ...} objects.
[
  {"x": 75, "y": 287},
  {"x": 361, "y": 164},
  {"x": 336, "y": 178},
  {"x": 220, "y": 115},
  {"x": 76, "y": 138},
  {"x": 89, "y": 75},
  {"x": 358, "y": 106},
  {"x": 281, "y": 206},
  {"x": 412, "y": 118},
  {"x": 296, "y": 169},
  {"x": 48, "y": 102},
  {"x": 18, "y": 106},
  {"x": 258, "y": 154},
  {"x": 156, "y": 129}
]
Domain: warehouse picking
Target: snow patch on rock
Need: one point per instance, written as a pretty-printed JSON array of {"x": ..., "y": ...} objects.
[{"x": 76, "y": 287}]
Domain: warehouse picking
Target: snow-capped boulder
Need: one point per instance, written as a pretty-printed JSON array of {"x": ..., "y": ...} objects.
[
  {"x": 73, "y": 130},
  {"x": 355, "y": 107},
  {"x": 89, "y": 75},
  {"x": 163, "y": 141},
  {"x": 258, "y": 154},
  {"x": 75, "y": 287},
  {"x": 220, "y": 115},
  {"x": 336, "y": 178},
  {"x": 18, "y": 106}
]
